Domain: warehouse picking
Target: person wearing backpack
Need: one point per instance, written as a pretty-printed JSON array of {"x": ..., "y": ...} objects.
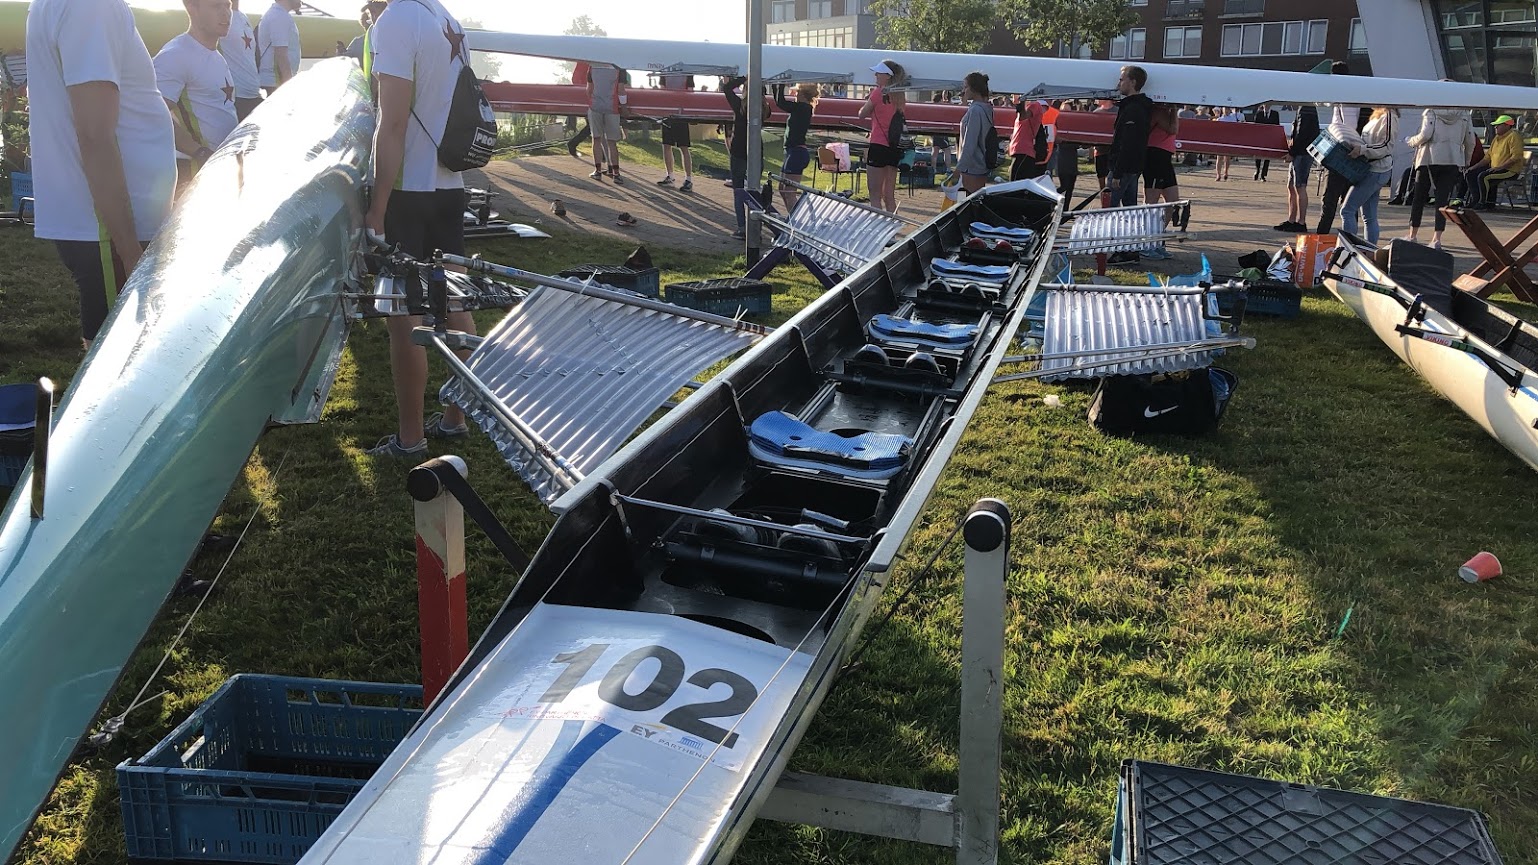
[
  {"x": 978, "y": 152},
  {"x": 1129, "y": 143},
  {"x": 418, "y": 201}
]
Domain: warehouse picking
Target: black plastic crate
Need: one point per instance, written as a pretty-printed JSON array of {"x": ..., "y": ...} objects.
[
  {"x": 1173, "y": 815},
  {"x": 724, "y": 296},
  {"x": 647, "y": 281},
  {"x": 259, "y": 771},
  {"x": 1264, "y": 297}
]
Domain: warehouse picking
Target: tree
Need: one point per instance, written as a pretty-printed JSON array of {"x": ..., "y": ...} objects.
[
  {"x": 1046, "y": 24},
  {"x": 486, "y": 65},
  {"x": 581, "y": 25},
  {"x": 949, "y": 26}
]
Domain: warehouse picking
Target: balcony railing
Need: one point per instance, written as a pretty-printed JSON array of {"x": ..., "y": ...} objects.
[
  {"x": 1244, "y": 7},
  {"x": 1186, "y": 9}
]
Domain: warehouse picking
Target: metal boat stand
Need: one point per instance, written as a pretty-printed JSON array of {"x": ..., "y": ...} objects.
[{"x": 966, "y": 821}]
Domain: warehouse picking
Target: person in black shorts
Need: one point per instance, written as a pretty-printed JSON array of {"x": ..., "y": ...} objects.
[
  {"x": 798, "y": 119},
  {"x": 675, "y": 133}
]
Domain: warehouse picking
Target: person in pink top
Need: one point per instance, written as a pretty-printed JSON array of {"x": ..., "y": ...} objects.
[
  {"x": 1028, "y": 143},
  {"x": 884, "y": 109},
  {"x": 1159, "y": 180}
]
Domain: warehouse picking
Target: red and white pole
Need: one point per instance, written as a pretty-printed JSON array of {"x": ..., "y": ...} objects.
[{"x": 440, "y": 525}]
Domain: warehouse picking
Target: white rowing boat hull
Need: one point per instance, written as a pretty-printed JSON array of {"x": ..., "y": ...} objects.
[
  {"x": 1508, "y": 414},
  {"x": 1167, "y": 82},
  {"x": 517, "y": 773}
]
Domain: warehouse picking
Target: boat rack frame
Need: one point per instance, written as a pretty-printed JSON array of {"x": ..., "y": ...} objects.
[{"x": 966, "y": 821}]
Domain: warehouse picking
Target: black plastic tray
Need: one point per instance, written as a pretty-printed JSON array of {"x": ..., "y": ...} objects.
[{"x": 1173, "y": 814}]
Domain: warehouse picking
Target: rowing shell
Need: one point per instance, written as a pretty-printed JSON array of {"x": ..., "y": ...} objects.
[
  {"x": 1491, "y": 385},
  {"x": 232, "y": 319},
  {"x": 1173, "y": 83},
  {"x": 654, "y": 668},
  {"x": 1253, "y": 140}
]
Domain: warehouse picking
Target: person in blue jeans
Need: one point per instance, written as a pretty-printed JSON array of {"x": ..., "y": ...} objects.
[
  {"x": 1129, "y": 144},
  {"x": 1378, "y": 146}
]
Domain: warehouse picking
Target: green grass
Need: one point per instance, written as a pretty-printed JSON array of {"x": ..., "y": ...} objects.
[{"x": 1171, "y": 599}]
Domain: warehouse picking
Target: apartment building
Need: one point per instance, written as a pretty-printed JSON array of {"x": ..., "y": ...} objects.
[
  {"x": 823, "y": 23},
  {"x": 1291, "y": 35}
]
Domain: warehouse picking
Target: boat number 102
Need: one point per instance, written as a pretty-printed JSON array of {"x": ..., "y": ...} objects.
[{"x": 665, "y": 682}]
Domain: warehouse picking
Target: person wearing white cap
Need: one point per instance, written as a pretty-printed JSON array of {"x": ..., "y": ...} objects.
[{"x": 885, "y": 111}]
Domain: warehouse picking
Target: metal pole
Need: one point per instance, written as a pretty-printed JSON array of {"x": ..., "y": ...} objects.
[
  {"x": 753, "y": 96},
  {"x": 986, "y": 533},
  {"x": 441, "y": 611}
]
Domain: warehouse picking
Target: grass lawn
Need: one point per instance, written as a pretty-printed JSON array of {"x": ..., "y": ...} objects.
[{"x": 1171, "y": 599}]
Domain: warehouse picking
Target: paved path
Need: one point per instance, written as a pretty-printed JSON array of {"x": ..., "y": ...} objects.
[{"x": 1229, "y": 219}]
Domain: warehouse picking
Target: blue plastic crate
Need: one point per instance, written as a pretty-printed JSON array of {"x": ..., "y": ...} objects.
[
  {"x": 1269, "y": 297},
  {"x": 647, "y": 281},
  {"x": 1333, "y": 154},
  {"x": 21, "y": 188},
  {"x": 259, "y": 771},
  {"x": 729, "y": 297}
]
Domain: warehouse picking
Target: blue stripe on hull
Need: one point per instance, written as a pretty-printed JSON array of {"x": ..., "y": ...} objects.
[{"x": 549, "y": 780}]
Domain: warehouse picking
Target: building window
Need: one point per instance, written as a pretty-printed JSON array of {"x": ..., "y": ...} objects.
[
  {"x": 1276, "y": 38},
  {"x": 819, "y": 9},
  {"x": 1318, "y": 31},
  {"x": 1244, "y": 7},
  {"x": 1085, "y": 53},
  {"x": 1358, "y": 37},
  {"x": 1182, "y": 42},
  {"x": 781, "y": 11},
  {"x": 1130, "y": 45},
  {"x": 1138, "y": 3},
  {"x": 1186, "y": 9},
  {"x": 1507, "y": 12}
]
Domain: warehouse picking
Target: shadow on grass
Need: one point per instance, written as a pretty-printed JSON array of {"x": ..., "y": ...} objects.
[{"x": 1377, "y": 489}]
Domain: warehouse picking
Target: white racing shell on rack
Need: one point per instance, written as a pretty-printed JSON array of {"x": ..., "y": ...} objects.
[
  {"x": 1195, "y": 85},
  {"x": 1509, "y": 414},
  {"x": 627, "y": 738}
]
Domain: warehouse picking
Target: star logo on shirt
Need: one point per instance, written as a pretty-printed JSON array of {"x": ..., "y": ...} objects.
[
  {"x": 246, "y": 38},
  {"x": 456, "y": 40},
  {"x": 229, "y": 91}
]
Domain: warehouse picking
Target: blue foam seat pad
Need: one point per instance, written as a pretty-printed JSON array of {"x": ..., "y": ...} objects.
[
  {"x": 942, "y": 267},
  {"x": 983, "y": 229},
  {"x": 780, "y": 438},
  {"x": 18, "y": 407},
  {"x": 891, "y": 327}
]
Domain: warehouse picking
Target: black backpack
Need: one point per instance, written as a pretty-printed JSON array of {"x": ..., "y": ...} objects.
[
  {"x": 991, "y": 144},
  {"x": 1041, "y": 143},
  {"x": 470, "y": 134}
]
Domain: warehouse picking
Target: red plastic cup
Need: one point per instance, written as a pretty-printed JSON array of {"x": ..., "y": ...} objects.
[{"x": 1484, "y": 566}]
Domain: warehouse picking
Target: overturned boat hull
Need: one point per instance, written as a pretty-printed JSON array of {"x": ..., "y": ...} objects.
[
  {"x": 654, "y": 669},
  {"x": 232, "y": 320},
  {"x": 1475, "y": 354}
]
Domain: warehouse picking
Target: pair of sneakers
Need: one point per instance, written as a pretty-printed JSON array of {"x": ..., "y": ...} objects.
[
  {"x": 432, "y": 428},
  {"x": 686, "y": 186}
]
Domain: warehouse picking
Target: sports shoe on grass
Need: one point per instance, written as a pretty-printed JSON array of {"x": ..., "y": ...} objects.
[
  {"x": 666, "y": 181},
  {"x": 390, "y": 446},
  {"x": 433, "y": 428}
]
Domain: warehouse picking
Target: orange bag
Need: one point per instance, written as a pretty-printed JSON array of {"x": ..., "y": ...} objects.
[{"x": 1311, "y": 258}]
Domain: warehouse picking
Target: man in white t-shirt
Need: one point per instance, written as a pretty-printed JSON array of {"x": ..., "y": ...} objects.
[
  {"x": 277, "y": 44},
  {"x": 418, "y": 51},
  {"x": 195, "y": 81},
  {"x": 239, "y": 49},
  {"x": 103, "y": 165}
]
